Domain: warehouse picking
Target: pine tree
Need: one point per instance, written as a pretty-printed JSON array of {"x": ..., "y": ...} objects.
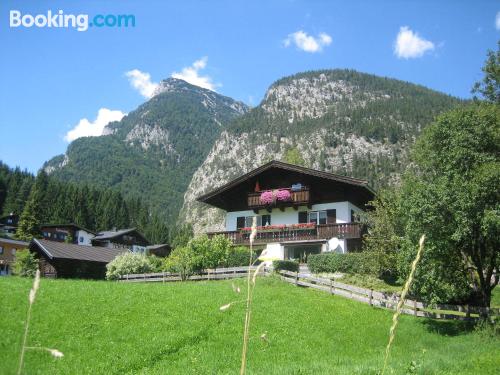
[{"x": 35, "y": 210}]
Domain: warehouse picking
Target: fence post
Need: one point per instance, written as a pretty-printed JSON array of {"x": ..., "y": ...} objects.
[
  {"x": 331, "y": 286},
  {"x": 370, "y": 296},
  {"x": 467, "y": 311},
  {"x": 297, "y": 278},
  {"x": 415, "y": 307},
  {"x": 163, "y": 277},
  {"x": 144, "y": 276}
]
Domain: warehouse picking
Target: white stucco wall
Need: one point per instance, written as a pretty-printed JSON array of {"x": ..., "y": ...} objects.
[
  {"x": 231, "y": 218},
  {"x": 291, "y": 216},
  {"x": 86, "y": 237}
]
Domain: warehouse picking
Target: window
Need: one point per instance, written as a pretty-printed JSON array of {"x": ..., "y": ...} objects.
[
  {"x": 247, "y": 221},
  {"x": 266, "y": 220},
  {"x": 303, "y": 217},
  {"x": 317, "y": 217},
  {"x": 9, "y": 221},
  {"x": 1, "y": 250},
  {"x": 80, "y": 239},
  {"x": 354, "y": 216}
]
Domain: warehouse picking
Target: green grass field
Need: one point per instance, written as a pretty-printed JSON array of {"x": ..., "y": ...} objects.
[{"x": 177, "y": 328}]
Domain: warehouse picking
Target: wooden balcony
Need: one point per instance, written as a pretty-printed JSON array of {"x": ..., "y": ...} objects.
[
  {"x": 298, "y": 198},
  {"x": 287, "y": 234}
]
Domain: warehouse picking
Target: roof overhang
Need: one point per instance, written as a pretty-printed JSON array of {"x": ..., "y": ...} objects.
[{"x": 232, "y": 196}]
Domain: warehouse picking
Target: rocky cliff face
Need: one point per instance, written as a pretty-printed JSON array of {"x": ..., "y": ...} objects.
[{"x": 323, "y": 117}]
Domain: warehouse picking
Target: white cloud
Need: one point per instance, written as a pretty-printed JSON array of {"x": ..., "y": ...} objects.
[
  {"x": 410, "y": 45},
  {"x": 306, "y": 42},
  {"x": 192, "y": 75},
  {"x": 497, "y": 21},
  {"x": 141, "y": 81},
  {"x": 85, "y": 128}
]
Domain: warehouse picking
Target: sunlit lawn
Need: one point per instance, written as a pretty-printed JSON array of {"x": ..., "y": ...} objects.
[{"x": 118, "y": 328}]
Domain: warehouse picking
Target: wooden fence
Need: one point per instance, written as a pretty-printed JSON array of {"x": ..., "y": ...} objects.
[
  {"x": 217, "y": 274},
  {"x": 388, "y": 300},
  {"x": 368, "y": 296}
]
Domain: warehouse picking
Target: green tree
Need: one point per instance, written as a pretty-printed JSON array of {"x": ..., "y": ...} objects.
[
  {"x": 35, "y": 210},
  {"x": 489, "y": 87},
  {"x": 182, "y": 261},
  {"x": 292, "y": 156},
  {"x": 452, "y": 196},
  {"x": 25, "y": 264}
]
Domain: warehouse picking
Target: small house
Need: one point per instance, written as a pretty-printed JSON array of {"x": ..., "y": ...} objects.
[
  {"x": 8, "y": 249},
  {"x": 8, "y": 223},
  {"x": 129, "y": 239},
  {"x": 60, "y": 259},
  {"x": 299, "y": 211},
  {"x": 69, "y": 233}
]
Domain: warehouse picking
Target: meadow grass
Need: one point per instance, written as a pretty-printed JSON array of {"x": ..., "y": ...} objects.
[{"x": 119, "y": 328}]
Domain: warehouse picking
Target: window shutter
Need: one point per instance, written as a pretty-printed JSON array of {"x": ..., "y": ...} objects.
[
  {"x": 303, "y": 217},
  {"x": 331, "y": 216},
  {"x": 240, "y": 222}
]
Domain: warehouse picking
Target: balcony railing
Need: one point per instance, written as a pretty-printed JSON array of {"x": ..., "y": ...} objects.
[
  {"x": 298, "y": 197},
  {"x": 288, "y": 234}
]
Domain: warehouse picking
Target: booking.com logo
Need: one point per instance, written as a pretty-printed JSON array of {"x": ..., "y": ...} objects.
[{"x": 79, "y": 22}]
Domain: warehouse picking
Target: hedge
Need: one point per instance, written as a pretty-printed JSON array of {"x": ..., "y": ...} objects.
[
  {"x": 361, "y": 263},
  {"x": 285, "y": 265}
]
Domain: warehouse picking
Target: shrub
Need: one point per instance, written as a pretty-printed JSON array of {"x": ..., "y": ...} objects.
[
  {"x": 156, "y": 263},
  {"x": 285, "y": 265},
  {"x": 209, "y": 253},
  {"x": 181, "y": 260},
  {"x": 238, "y": 256},
  {"x": 126, "y": 264},
  {"x": 25, "y": 264},
  {"x": 361, "y": 263}
]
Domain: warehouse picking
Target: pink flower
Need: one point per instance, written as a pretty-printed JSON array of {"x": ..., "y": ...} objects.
[
  {"x": 283, "y": 195},
  {"x": 267, "y": 197}
]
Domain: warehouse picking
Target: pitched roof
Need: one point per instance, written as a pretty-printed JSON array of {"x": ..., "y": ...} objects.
[
  {"x": 289, "y": 167},
  {"x": 14, "y": 242},
  {"x": 158, "y": 246},
  {"x": 272, "y": 168},
  {"x": 62, "y": 250},
  {"x": 110, "y": 234},
  {"x": 72, "y": 225}
]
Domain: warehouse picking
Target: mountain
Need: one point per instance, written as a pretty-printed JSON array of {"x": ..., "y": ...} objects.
[
  {"x": 152, "y": 152},
  {"x": 340, "y": 121}
]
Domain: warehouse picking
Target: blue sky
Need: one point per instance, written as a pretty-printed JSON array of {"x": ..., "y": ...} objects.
[{"x": 52, "y": 78}]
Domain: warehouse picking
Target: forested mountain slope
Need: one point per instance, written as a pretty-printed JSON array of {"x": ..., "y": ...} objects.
[{"x": 153, "y": 151}]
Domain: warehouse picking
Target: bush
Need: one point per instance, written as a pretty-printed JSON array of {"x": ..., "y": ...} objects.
[
  {"x": 126, "y": 264},
  {"x": 285, "y": 265},
  {"x": 209, "y": 253},
  {"x": 25, "y": 264},
  {"x": 181, "y": 260},
  {"x": 361, "y": 263},
  {"x": 238, "y": 257},
  {"x": 156, "y": 263}
]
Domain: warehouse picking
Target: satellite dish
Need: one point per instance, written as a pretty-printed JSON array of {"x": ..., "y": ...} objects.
[{"x": 334, "y": 244}]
